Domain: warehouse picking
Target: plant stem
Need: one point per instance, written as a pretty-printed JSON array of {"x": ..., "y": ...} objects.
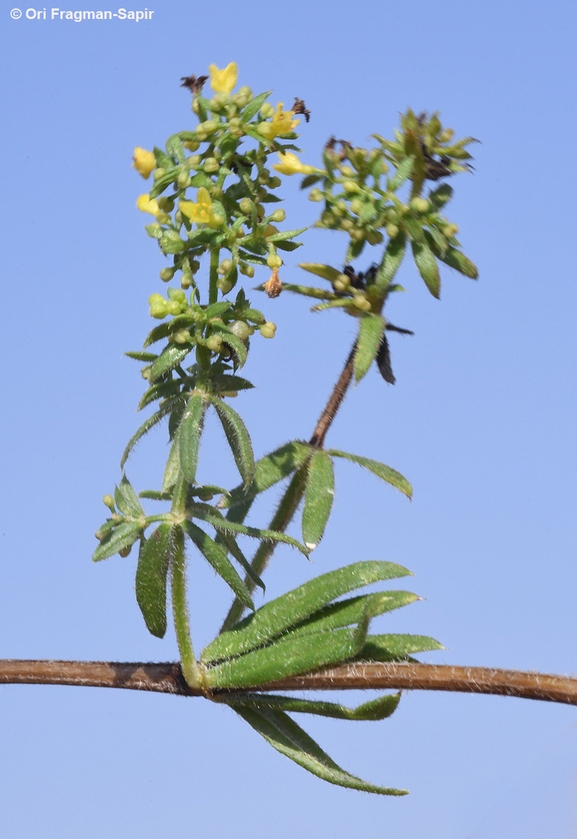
[
  {"x": 167, "y": 677},
  {"x": 335, "y": 401},
  {"x": 212, "y": 287}
]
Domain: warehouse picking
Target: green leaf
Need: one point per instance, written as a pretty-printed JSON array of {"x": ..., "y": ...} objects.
[
  {"x": 175, "y": 148},
  {"x": 161, "y": 390},
  {"x": 308, "y": 291},
  {"x": 238, "y": 439},
  {"x": 223, "y": 525},
  {"x": 142, "y": 356},
  {"x": 215, "y": 555},
  {"x": 286, "y": 234},
  {"x": 295, "y": 606},
  {"x": 427, "y": 265},
  {"x": 319, "y": 497},
  {"x": 353, "y": 609},
  {"x": 167, "y": 407},
  {"x": 288, "y": 738},
  {"x": 189, "y": 434},
  {"x": 309, "y": 180},
  {"x": 172, "y": 468},
  {"x": 395, "y": 647},
  {"x": 254, "y": 105},
  {"x": 404, "y": 171},
  {"x": 376, "y": 709},
  {"x": 169, "y": 358},
  {"x": 391, "y": 476},
  {"x": 227, "y": 539},
  {"x": 371, "y": 331},
  {"x": 288, "y": 246},
  {"x": 170, "y": 242},
  {"x": 454, "y": 259},
  {"x": 154, "y": 559},
  {"x": 394, "y": 253},
  {"x": 120, "y": 538},
  {"x": 287, "y": 656},
  {"x": 127, "y": 500}
]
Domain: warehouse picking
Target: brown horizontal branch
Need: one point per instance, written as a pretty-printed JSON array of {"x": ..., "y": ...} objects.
[{"x": 166, "y": 677}]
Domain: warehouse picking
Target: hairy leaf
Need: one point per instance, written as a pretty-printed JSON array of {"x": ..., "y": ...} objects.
[
  {"x": 377, "y": 709},
  {"x": 371, "y": 332},
  {"x": 154, "y": 559},
  {"x": 394, "y": 647},
  {"x": 126, "y": 499},
  {"x": 189, "y": 434},
  {"x": 167, "y": 407},
  {"x": 120, "y": 538},
  {"x": 379, "y": 469},
  {"x": 427, "y": 265},
  {"x": 215, "y": 555},
  {"x": 319, "y": 496},
  {"x": 238, "y": 439}
]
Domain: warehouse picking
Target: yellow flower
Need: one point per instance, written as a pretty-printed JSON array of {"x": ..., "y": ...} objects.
[
  {"x": 202, "y": 212},
  {"x": 291, "y": 165},
  {"x": 223, "y": 81},
  {"x": 282, "y": 123},
  {"x": 143, "y": 161},
  {"x": 147, "y": 204}
]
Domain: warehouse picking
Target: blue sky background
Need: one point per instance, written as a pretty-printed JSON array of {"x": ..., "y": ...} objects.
[{"x": 480, "y": 421}]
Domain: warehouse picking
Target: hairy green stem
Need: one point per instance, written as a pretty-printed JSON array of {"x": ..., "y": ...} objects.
[
  {"x": 212, "y": 288},
  {"x": 190, "y": 668}
]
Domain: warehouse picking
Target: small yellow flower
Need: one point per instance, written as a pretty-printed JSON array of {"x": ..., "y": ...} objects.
[
  {"x": 291, "y": 165},
  {"x": 203, "y": 211},
  {"x": 147, "y": 204},
  {"x": 281, "y": 123},
  {"x": 223, "y": 81},
  {"x": 143, "y": 161}
]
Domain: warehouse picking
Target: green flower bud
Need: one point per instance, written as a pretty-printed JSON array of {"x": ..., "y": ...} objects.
[
  {"x": 145, "y": 373},
  {"x": 191, "y": 145},
  {"x": 208, "y": 127},
  {"x": 186, "y": 281},
  {"x": 278, "y": 215},
  {"x": 356, "y": 206},
  {"x": 374, "y": 237},
  {"x": 361, "y": 302},
  {"x": 274, "y": 182},
  {"x": 328, "y": 218},
  {"x": 173, "y": 307},
  {"x": 351, "y": 186},
  {"x": 246, "y": 206},
  {"x": 267, "y": 110},
  {"x": 342, "y": 283},
  {"x": 451, "y": 230},
  {"x": 347, "y": 224},
  {"x": 315, "y": 195},
  {"x": 159, "y": 173},
  {"x": 214, "y": 343},
  {"x": 263, "y": 176},
  {"x": 357, "y": 234},
  {"x": 182, "y": 336},
  {"x": 392, "y": 230},
  {"x": 268, "y": 329},
  {"x": 162, "y": 218},
  {"x": 165, "y": 203},
  {"x": 235, "y": 122},
  {"x": 224, "y": 285},
  {"x": 346, "y": 171},
  {"x": 158, "y": 306},
  {"x": 108, "y": 501},
  {"x": 167, "y": 274},
  {"x": 183, "y": 180},
  {"x": 193, "y": 161},
  {"x": 211, "y": 164},
  {"x": 245, "y": 90},
  {"x": 247, "y": 270}
]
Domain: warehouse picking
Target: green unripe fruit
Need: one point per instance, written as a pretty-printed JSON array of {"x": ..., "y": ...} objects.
[
  {"x": 247, "y": 270},
  {"x": 274, "y": 182},
  {"x": 268, "y": 329},
  {"x": 315, "y": 195},
  {"x": 225, "y": 266},
  {"x": 240, "y": 329},
  {"x": 166, "y": 204},
  {"x": 211, "y": 164},
  {"x": 178, "y": 217},
  {"x": 340, "y": 285},
  {"x": 167, "y": 274},
  {"x": 173, "y": 307},
  {"x": 267, "y": 110},
  {"x": 278, "y": 215},
  {"x": 224, "y": 285},
  {"x": 273, "y": 260},
  {"x": 182, "y": 336},
  {"x": 195, "y": 106},
  {"x": 214, "y": 343},
  {"x": 246, "y": 206},
  {"x": 124, "y": 552},
  {"x": 421, "y": 205},
  {"x": 158, "y": 306}
]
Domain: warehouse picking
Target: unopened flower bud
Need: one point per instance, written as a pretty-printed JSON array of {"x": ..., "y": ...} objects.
[
  {"x": 247, "y": 270},
  {"x": 392, "y": 230},
  {"x": 315, "y": 195},
  {"x": 421, "y": 205},
  {"x": 266, "y": 110},
  {"x": 240, "y": 329},
  {"x": 268, "y": 329},
  {"x": 225, "y": 266},
  {"x": 214, "y": 343},
  {"x": 246, "y": 206},
  {"x": 278, "y": 215},
  {"x": 159, "y": 173},
  {"x": 108, "y": 501},
  {"x": 167, "y": 274},
  {"x": 211, "y": 164}
]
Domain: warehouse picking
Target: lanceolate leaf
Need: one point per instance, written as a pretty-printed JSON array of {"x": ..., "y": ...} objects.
[
  {"x": 391, "y": 261},
  {"x": 254, "y": 105},
  {"x": 371, "y": 331},
  {"x": 167, "y": 407},
  {"x": 295, "y": 606},
  {"x": 288, "y": 656},
  {"x": 127, "y": 500},
  {"x": 379, "y": 469},
  {"x": 189, "y": 434},
  {"x": 319, "y": 496},
  {"x": 215, "y": 555},
  {"x": 289, "y": 739},
  {"x": 120, "y": 538},
  {"x": 319, "y": 270},
  {"x": 427, "y": 265},
  {"x": 238, "y": 439},
  {"x": 353, "y": 609},
  {"x": 154, "y": 559},
  {"x": 394, "y": 647},
  {"x": 223, "y": 525},
  {"x": 454, "y": 259},
  {"x": 269, "y": 470},
  {"x": 168, "y": 359},
  {"x": 376, "y": 709},
  {"x": 172, "y": 469}
]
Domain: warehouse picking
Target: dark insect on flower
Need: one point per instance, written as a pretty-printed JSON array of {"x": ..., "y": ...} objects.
[
  {"x": 345, "y": 146},
  {"x": 360, "y": 280},
  {"x": 193, "y": 83},
  {"x": 299, "y": 107}
]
